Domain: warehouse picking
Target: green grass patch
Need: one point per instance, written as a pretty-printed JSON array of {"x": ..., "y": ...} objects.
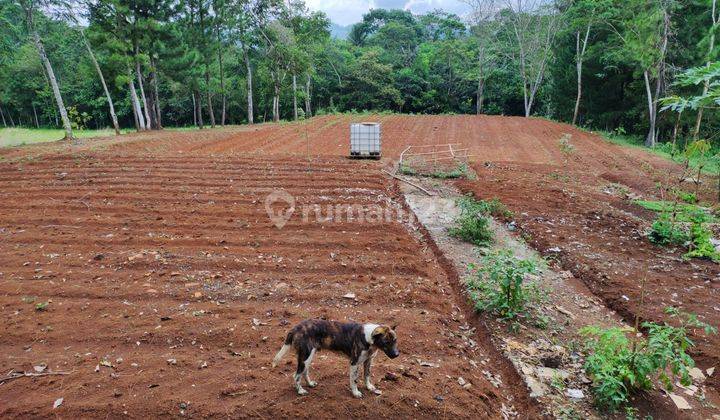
[
  {"x": 460, "y": 171},
  {"x": 711, "y": 167},
  {"x": 683, "y": 211},
  {"x": 472, "y": 225},
  {"x": 22, "y": 136}
]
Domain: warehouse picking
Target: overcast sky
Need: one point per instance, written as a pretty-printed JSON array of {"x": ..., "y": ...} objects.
[{"x": 346, "y": 12}]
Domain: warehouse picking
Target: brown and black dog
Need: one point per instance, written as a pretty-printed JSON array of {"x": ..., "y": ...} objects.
[{"x": 359, "y": 342}]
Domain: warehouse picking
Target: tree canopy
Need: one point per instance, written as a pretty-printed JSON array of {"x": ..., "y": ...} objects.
[{"x": 640, "y": 66}]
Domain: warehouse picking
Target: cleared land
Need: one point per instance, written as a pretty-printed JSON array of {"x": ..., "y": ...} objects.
[{"x": 156, "y": 247}]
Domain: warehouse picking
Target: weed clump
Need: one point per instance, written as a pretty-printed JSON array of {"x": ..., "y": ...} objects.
[
  {"x": 621, "y": 363},
  {"x": 472, "y": 225},
  {"x": 700, "y": 244},
  {"x": 501, "y": 285},
  {"x": 666, "y": 231}
]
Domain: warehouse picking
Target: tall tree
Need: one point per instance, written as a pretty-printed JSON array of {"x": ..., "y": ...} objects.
[
  {"x": 111, "y": 106},
  {"x": 531, "y": 26},
  {"x": 30, "y": 8},
  {"x": 711, "y": 53},
  {"x": 482, "y": 19},
  {"x": 644, "y": 28}
]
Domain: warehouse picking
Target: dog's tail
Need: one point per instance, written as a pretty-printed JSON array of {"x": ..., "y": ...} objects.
[{"x": 283, "y": 350}]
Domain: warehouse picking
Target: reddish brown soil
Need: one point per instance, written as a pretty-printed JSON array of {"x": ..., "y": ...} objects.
[
  {"x": 143, "y": 260},
  {"x": 602, "y": 240},
  {"x": 121, "y": 232}
]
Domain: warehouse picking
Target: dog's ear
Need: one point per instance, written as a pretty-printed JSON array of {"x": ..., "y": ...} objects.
[
  {"x": 377, "y": 332},
  {"x": 394, "y": 327}
]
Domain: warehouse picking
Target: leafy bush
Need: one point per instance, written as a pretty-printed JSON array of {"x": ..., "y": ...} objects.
[
  {"x": 472, "y": 225},
  {"x": 700, "y": 245},
  {"x": 666, "y": 231},
  {"x": 497, "y": 209},
  {"x": 407, "y": 170},
  {"x": 686, "y": 197},
  {"x": 621, "y": 363},
  {"x": 500, "y": 286},
  {"x": 669, "y": 148},
  {"x": 566, "y": 148},
  {"x": 460, "y": 171}
]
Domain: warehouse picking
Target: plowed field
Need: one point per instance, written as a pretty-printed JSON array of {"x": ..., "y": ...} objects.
[
  {"x": 169, "y": 290},
  {"x": 165, "y": 290}
]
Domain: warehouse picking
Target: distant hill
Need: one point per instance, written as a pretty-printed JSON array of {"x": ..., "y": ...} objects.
[{"x": 338, "y": 31}]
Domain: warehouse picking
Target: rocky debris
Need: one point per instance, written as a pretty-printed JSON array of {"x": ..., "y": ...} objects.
[
  {"x": 537, "y": 389},
  {"x": 575, "y": 393},
  {"x": 697, "y": 375},
  {"x": 463, "y": 383},
  {"x": 680, "y": 402}
]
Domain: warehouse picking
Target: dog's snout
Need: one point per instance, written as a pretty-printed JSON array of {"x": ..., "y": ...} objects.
[{"x": 394, "y": 354}]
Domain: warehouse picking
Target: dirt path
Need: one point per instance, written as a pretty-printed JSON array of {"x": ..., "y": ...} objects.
[{"x": 547, "y": 349}]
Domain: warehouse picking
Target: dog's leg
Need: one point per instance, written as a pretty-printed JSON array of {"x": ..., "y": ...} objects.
[
  {"x": 368, "y": 367},
  {"x": 353, "y": 381},
  {"x": 302, "y": 355},
  {"x": 354, "y": 373},
  {"x": 306, "y": 373}
]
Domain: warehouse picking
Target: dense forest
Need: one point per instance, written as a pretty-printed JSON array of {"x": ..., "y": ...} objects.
[{"x": 645, "y": 67}]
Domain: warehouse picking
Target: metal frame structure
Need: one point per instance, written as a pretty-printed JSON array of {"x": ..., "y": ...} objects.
[{"x": 433, "y": 153}]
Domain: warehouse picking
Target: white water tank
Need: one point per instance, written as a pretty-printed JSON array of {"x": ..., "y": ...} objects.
[{"x": 365, "y": 140}]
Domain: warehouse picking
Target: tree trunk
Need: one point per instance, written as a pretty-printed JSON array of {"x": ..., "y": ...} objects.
[
  {"x": 194, "y": 109},
  {"x": 137, "y": 110},
  {"x": 579, "y": 56},
  {"x": 201, "y": 125},
  {"x": 51, "y": 77},
  {"x": 222, "y": 87},
  {"x": 2, "y": 114},
  {"x": 308, "y": 109},
  {"x": 276, "y": 102},
  {"x": 706, "y": 85},
  {"x": 650, "y": 139},
  {"x": 113, "y": 117},
  {"x": 156, "y": 93},
  {"x": 209, "y": 96},
  {"x": 37, "y": 123},
  {"x": 676, "y": 129},
  {"x": 481, "y": 82},
  {"x": 248, "y": 70},
  {"x": 295, "y": 107},
  {"x": 148, "y": 118}
]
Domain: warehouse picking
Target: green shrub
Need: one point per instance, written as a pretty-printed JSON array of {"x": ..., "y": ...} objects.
[
  {"x": 666, "y": 231},
  {"x": 621, "y": 363},
  {"x": 460, "y": 171},
  {"x": 472, "y": 225},
  {"x": 566, "y": 148},
  {"x": 686, "y": 197},
  {"x": 407, "y": 170},
  {"x": 700, "y": 245},
  {"x": 497, "y": 209},
  {"x": 500, "y": 285}
]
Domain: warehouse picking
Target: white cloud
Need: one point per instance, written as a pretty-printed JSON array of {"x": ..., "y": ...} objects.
[{"x": 346, "y": 12}]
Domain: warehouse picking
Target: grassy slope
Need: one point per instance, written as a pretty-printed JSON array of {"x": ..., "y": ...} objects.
[
  {"x": 711, "y": 167},
  {"x": 22, "y": 136}
]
